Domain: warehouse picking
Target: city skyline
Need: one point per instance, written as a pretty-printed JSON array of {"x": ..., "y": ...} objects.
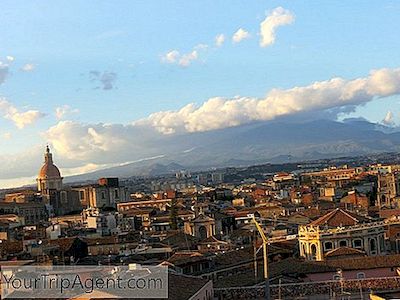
[{"x": 75, "y": 75}]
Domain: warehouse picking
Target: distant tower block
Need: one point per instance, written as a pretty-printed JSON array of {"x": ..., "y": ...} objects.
[{"x": 49, "y": 177}]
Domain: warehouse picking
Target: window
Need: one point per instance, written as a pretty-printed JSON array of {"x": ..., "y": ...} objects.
[
  {"x": 360, "y": 275},
  {"x": 103, "y": 195},
  {"x": 328, "y": 246},
  {"x": 116, "y": 194},
  {"x": 313, "y": 252},
  {"x": 81, "y": 195},
  {"x": 343, "y": 243},
  {"x": 358, "y": 243},
  {"x": 372, "y": 246}
]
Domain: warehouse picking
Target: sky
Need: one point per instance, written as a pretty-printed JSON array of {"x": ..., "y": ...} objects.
[{"x": 96, "y": 78}]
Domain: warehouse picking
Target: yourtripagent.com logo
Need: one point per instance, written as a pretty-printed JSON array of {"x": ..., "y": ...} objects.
[{"x": 133, "y": 281}]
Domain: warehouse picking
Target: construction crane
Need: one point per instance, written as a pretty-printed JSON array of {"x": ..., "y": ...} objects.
[{"x": 265, "y": 255}]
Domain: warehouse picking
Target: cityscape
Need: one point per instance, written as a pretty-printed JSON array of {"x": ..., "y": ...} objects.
[{"x": 200, "y": 150}]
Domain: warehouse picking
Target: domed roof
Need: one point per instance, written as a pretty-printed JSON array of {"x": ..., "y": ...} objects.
[{"x": 49, "y": 170}]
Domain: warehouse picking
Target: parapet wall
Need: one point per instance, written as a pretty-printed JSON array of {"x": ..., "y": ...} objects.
[{"x": 324, "y": 289}]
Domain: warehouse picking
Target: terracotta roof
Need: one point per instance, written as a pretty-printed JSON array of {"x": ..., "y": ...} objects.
[
  {"x": 338, "y": 217},
  {"x": 345, "y": 251}
]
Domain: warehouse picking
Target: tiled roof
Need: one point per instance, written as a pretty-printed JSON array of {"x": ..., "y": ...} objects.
[
  {"x": 344, "y": 251},
  {"x": 338, "y": 217}
]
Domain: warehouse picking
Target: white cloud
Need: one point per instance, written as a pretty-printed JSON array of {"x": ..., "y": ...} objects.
[
  {"x": 10, "y": 58},
  {"x": 20, "y": 119},
  {"x": 221, "y": 112},
  {"x": 28, "y": 67},
  {"x": 171, "y": 57},
  {"x": 64, "y": 110},
  {"x": 187, "y": 59},
  {"x": 183, "y": 59},
  {"x": 240, "y": 35},
  {"x": 78, "y": 141},
  {"x": 278, "y": 17},
  {"x": 219, "y": 40},
  {"x": 388, "y": 120}
]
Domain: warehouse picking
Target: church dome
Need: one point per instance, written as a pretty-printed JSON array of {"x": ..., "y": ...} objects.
[{"x": 49, "y": 170}]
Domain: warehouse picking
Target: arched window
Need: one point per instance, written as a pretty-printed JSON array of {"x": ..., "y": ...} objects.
[
  {"x": 360, "y": 275},
  {"x": 203, "y": 232},
  {"x": 313, "y": 252},
  {"x": 381, "y": 244},
  {"x": 372, "y": 246},
  {"x": 343, "y": 243}
]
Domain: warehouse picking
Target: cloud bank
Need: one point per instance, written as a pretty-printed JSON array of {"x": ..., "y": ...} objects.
[{"x": 220, "y": 112}]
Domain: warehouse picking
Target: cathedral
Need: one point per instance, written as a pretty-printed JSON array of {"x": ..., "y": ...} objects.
[
  {"x": 60, "y": 200},
  {"x": 49, "y": 175}
]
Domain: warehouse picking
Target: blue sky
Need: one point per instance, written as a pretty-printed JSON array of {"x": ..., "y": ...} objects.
[{"x": 64, "y": 41}]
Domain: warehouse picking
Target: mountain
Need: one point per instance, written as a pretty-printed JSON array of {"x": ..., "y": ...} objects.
[{"x": 275, "y": 142}]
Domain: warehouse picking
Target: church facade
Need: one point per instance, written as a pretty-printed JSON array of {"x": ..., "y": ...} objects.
[{"x": 342, "y": 230}]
